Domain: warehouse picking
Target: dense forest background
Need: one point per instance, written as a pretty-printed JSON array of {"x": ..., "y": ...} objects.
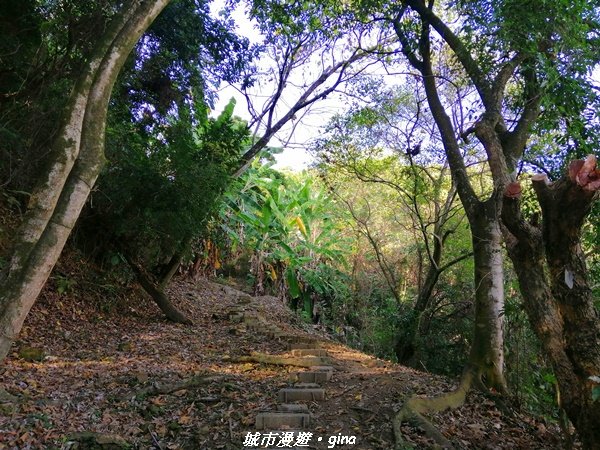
[{"x": 448, "y": 222}]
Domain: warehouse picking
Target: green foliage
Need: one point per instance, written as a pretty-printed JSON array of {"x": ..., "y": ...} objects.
[
  {"x": 381, "y": 320},
  {"x": 184, "y": 52},
  {"x": 559, "y": 40},
  {"x": 384, "y": 163},
  {"x": 163, "y": 183},
  {"x": 168, "y": 160},
  {"x": 301, "y": 18},
  {"x": 595, "y": 393},
  {"x": 64, "y": 284},
  {"x": 591, "y": 247},
  {"x": 285, "y": 223},
  {"x": 44, "y": 45}
]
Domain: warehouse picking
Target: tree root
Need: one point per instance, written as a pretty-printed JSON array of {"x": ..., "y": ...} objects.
[
  {"x": 190, "y": 383},
  {"x": 91, "y": 439},
  {"x": 415, "y": 407}
]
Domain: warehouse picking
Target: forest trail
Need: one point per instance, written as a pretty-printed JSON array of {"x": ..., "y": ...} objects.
[{"x": 135, "y": 378}]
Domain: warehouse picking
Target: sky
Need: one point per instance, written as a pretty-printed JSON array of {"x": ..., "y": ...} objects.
[{"x": 294, "y": 157}]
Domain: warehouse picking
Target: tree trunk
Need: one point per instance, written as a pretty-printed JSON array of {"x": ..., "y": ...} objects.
[
  {"x": 406, "y": 348},
  {"x": 486, "y": 359},
  {"x": 77, "y": 158},
  {"x": 171, "y": 268},
  {"x": 487, "y": 349},
  {"x": 558, "y": 301},
  {"x": 158, "y": 295}
]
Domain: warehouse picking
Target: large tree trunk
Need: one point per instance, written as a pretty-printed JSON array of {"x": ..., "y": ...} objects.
[
  {"x": 487, "y": 349},
  {"x": 548, "y": 260},
  {"x": 559, "y": 301},
  {"x": 486, "y": 359},
  {"x": 77, "y": 160}
]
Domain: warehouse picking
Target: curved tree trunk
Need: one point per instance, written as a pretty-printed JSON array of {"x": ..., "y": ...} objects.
[
  {"x": 158, "y": 295},
  {"x": 78, "y": 155}
]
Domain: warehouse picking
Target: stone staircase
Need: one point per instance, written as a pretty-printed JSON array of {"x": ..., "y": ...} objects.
[{"x": 307, "y": 387}]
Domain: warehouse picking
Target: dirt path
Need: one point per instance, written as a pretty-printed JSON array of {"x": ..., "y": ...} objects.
[{"x": 163, "y": 386}]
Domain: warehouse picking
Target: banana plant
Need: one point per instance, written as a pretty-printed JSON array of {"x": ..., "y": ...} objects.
[{"x": 285, "y": 222}]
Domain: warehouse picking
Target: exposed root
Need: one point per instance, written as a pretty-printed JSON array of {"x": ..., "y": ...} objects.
[
  {"x": 193, "y": 382},
  {"x": 93, "y": 440},
  {"x": 415, "y": 407}
]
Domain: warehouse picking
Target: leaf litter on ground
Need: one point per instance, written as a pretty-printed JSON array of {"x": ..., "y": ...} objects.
[{"x": 129, "y": 373}]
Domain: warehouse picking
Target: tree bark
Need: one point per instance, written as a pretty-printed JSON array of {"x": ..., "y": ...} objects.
[
  {"x": 158, "y": 295},
  {"x": 487, "y": 349},
  {"x": 171, "y": 268},
  {"x": 557, "y": 297},
  {"x": 549, "y": 261},
  {"x": 78, "y": 156}
]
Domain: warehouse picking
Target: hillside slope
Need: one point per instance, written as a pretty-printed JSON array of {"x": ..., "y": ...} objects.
[{"x": 163, "y": 386}]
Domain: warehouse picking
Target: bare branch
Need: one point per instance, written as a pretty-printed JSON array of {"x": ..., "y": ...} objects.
[{"x": 308, "y": 97}]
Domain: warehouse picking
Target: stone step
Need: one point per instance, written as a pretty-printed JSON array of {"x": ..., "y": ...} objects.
[
  {"x": 307, "y": 385},
  {"x": 254, "y": 325},
  {"x": 316, "y": 376},
  {"x": 308, "y": 361},
  {"x": 323, "y": 368},
  {"x": 286, "y": 337},
  {"x": 237, "y": 317},
  {"x": 293, "y": 407},
  {"x": 297, "y": 338},
  {"x": 283, "y": 360},
  {"x": 275, "y": 333},
  {"x": 298, "y": 345},
  {"x": 309, "y": 352},
  {"x": 282, "y": 419},
  {"x": 252, "y": 318},
  {"x": 301, "y": 395}
]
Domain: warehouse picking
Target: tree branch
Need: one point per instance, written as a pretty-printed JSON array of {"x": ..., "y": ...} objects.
[
  {"x": 461, "y": 52},
  {"x": 304, "y": 101}
]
